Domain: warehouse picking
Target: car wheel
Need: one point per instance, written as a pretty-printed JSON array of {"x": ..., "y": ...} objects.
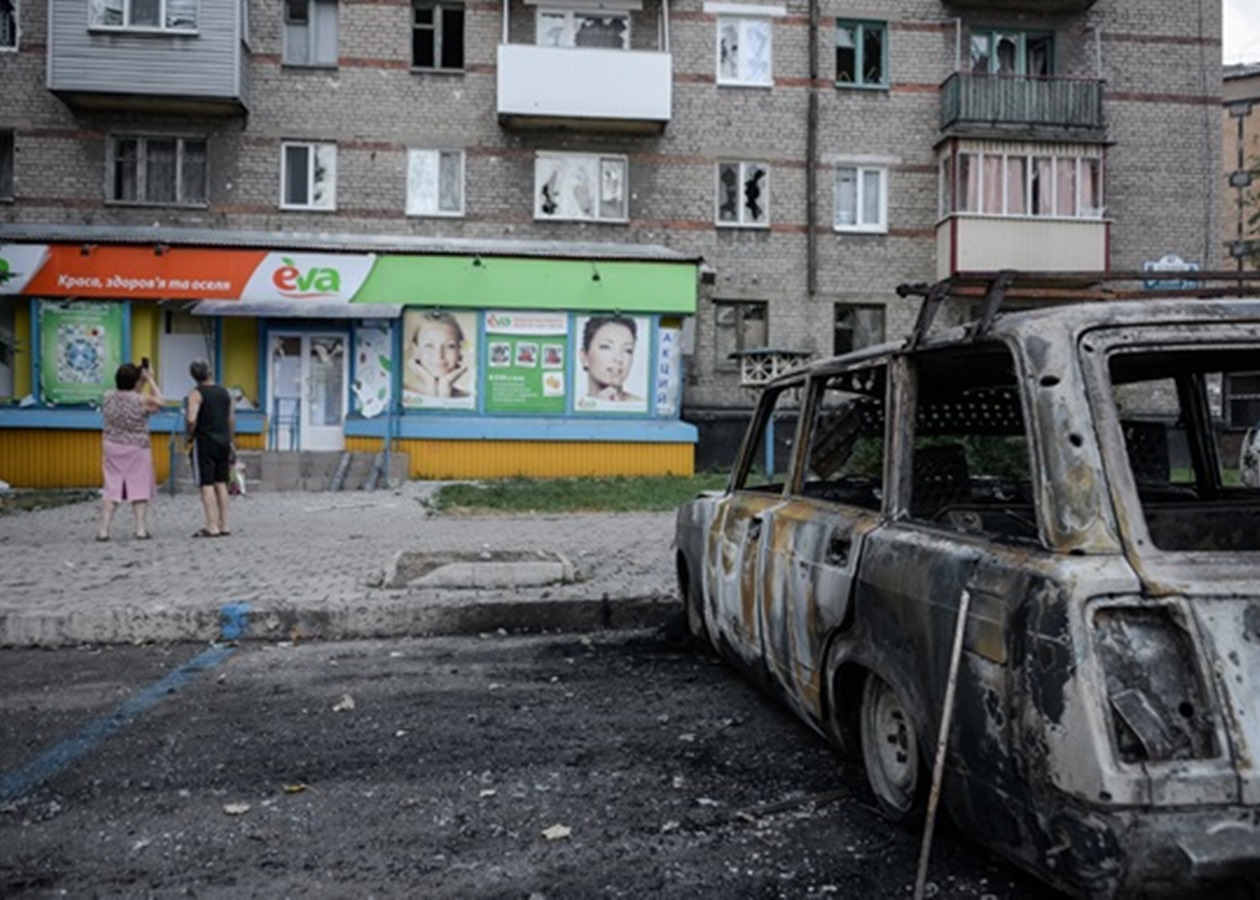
[{"x": 890, "y": 752}]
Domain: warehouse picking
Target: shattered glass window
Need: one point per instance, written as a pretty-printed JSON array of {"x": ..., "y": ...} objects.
[
  {"x": 158, "y": 171},
  {"x": 1012, "y": 53},
  {"x": 738, "y": 325},
  {"x": 571, "y": 28},
  {"x": 437, "y": 35},
  {"x": 435, "y": 182},
  {"x": 860, "y": 53},
  {"x": 8, "y": 23},
  {"x": 7, "y": 159},
  {"x": 579, "y": 187},
  {"x": 857, "y": 326},
  {"x": 309, "y": 176},
  {"x": 744, "y": 50},
  {"x": 163, "y": 15},
  {"x": 743, "y": 194},
  {"x": 310, "y": 33}
]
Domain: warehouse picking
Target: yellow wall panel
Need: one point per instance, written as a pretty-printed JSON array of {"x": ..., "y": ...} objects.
[
  {"x": 240, "y": 356},
  {"x": 443, "y": 460},
  {"x": 146, "y": 320},
  {"x": 22, "y": 353}
]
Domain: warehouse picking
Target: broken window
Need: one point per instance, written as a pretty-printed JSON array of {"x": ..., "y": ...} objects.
[
  {"x": 861, "y": 53},
  {"x": 8, "y": 24},
  {"x": 161, "y": 15},
  {"x": 435, "y": 182},
  {"x": 994, "y": 180},
  {"x": 861, "y": 204},
  {"x": 857, "y": 326},
  {"x": 738, "y": 325},
  {"x": 743, "y": 194},
  {"x": 971, "y": 466},
  {"x": 845, "y": 458},
  {"x": 1012, "y": 53},
  {"x": 310, "y": 33},
  {"x": 437, "y": 35},
  {"x": 309, "y": 176},
  {"x": 157, "y": 170},
  {"x": 8, "y": 160},
  {"x": 609, "y": 29},
  {"x": 744, "y": 50},
  {"x": 569, "y": 186}
]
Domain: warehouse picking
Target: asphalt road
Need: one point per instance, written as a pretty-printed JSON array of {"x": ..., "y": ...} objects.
[{"x": 620, "y": 765}]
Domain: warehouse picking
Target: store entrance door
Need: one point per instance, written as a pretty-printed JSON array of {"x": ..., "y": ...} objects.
[{"x": 307, "y": 390}]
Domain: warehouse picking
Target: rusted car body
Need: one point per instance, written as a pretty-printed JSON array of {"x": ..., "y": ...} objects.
[{"x": 1064, "y": 470}]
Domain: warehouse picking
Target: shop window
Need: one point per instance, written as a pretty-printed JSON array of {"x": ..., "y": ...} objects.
[
  {"x": 997, "y": 182},
  {"x": 861, "y": 54},
  {"x": 743, "y": 194},
  {"x": 437, "y": 35},
  {"x": 435, "y": 182},
  {"x": 8, "y": 162},
  {"x": 744, "y": 51},
  {"x": 1012, "y": 53},
  {"x": 157, "y": 171},
  {"x": 861, "y": 198},
  {"x": 609, "y": 29},
  {"x": 143, "y": 15},
  {"x": 8, "y": 24},
  {"x": 738, "y": 325},
  {"x": 310, "y": 33},
  {"x": 309, "y": 176},
  {"x": 576, "y": 187},
  {"x": 857, "y": 326}
]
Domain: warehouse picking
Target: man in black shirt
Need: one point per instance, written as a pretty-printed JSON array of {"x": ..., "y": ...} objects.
[{"x": 211, "y": 422}]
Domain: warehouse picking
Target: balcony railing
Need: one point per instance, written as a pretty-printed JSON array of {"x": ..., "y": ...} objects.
[
  {"x": 1019, "y": 101},
  {"x": 584, "y": 88}
]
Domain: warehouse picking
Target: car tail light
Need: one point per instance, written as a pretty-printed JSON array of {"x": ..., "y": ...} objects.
[{"x": 1159, "y": 706}]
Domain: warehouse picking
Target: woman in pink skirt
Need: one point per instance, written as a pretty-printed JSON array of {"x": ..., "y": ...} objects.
[{"x": 127, "y": 459}]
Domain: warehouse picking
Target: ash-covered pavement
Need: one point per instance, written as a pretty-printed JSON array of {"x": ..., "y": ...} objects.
[{"x": 321, "y": 565}]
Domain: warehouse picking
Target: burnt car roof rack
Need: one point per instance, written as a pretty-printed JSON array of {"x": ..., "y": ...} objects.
[{"x": 995, "y": 289}]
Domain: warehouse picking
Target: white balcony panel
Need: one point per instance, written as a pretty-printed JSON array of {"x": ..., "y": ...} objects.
[
  {"x": 983, "y": 244},
  {"x": 573, "y": 84}
]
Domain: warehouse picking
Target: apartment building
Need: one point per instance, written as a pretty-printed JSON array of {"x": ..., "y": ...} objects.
[{"x": 298, "y": 189}]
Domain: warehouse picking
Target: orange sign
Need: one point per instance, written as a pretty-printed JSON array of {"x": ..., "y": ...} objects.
[{"x": 148, "y": 272}]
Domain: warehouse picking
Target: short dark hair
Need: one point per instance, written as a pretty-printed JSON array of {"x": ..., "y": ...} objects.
[
  {"x": 199, "y": 370},
  {"x": 127, "y": 376},
  {"x": 595, "y": 323}
]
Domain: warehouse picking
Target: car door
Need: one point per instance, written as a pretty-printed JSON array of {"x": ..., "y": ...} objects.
[{"x": 817, "y": 534}]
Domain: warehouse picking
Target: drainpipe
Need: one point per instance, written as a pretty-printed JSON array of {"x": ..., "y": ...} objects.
[
  {"x": 811, "y": 154},
  {"x": 664, "y": 26},
  {"x": 505, "y": 20}
]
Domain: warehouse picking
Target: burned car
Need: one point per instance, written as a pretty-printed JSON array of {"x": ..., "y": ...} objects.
[{"x": 1056, "y": 486}]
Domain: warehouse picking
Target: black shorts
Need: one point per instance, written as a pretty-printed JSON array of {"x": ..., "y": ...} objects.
[{"x": 211, "y": 461}]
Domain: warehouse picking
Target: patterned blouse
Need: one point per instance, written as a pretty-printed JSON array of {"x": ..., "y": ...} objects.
[{"x": 126, "y": 419}]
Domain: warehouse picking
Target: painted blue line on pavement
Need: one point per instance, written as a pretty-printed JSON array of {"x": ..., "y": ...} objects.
[{"x": 18, "y": 782}]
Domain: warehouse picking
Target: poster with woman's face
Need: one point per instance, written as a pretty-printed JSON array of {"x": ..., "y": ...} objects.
[
  {"x": 439, "y": 360},
  {"x": 613, "y": 364}
]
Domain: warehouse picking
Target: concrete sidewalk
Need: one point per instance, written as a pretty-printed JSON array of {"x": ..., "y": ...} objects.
[{"x": 301, "y": 566}]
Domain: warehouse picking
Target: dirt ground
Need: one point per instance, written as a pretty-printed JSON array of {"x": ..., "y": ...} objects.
[{"x": 538, "y": 768}]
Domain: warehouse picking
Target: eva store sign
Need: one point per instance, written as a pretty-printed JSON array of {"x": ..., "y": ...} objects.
[{"x": 309, "y": 276}]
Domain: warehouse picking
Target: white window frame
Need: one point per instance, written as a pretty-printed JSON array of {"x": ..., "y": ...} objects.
[
  {"x": 861, "y": 170},
  {"x": 571, "y": 16},
  {"x": 141, "y": 174},
  {"x": 100, "y": 11},
  {"x": 319, "y": 153},
  {"x": 424, "y": 180},
  {"x": 9, "y": 21},
  {"x": 954, "y": 195},
  {"x": 743, "y": 170},
  {"x": 744, "y": 24},
  {"x": 321, "y": 16},
  {"x": 606, "y": 165}
]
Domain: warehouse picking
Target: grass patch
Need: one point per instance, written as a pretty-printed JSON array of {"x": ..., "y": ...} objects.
[{"x": 561, "y": 495}]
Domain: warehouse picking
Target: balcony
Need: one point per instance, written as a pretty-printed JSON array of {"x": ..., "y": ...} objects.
[
  {"x": 1043, "y": 7},
  {"x": 584, "y": 89},
  {"x": 198, "y": 67},
  {"x": 987, "y": 243},
  {"x": 1013, "y": 105}
]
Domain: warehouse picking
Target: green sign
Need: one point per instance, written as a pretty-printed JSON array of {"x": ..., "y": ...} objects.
[
  {"x": 527, "y": 362},
  {"x": 80, "y": 349}
]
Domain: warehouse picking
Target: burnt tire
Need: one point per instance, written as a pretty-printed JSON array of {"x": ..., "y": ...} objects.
[{"x": 890, "y": 752}]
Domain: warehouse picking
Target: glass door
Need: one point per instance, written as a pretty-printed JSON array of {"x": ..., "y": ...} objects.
[{"x": 307, "y": 390}]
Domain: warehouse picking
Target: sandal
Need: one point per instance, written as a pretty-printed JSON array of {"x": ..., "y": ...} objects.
[
  {"x": 143, "y": 535},
  {"x": 102, "y": 537},
  {"x": 205, "y": 532}
]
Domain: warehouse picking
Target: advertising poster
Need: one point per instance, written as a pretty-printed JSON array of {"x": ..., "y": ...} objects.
[
  {"x": 527, "y": 362},
  {"x": 80, "y": 349},
  {"x": 612, "y": 364},
  {"x": 439, "y": 360},
  {"x": 668, "y": 370},
  {"x": 373, "y": 366}
]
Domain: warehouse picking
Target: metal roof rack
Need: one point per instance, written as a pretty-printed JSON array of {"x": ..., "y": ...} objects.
[{"x": 994, "y": 289}]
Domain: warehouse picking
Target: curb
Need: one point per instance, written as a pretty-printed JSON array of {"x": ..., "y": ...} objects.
[{"x": 393, "y": 617}]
